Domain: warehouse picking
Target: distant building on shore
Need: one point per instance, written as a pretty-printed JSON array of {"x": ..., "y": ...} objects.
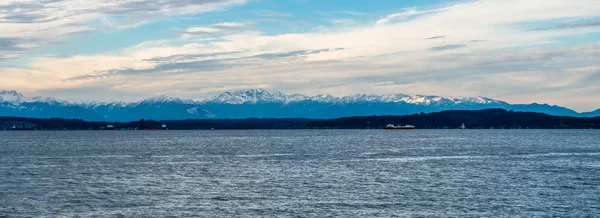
[{"x": 16, "y": 125}]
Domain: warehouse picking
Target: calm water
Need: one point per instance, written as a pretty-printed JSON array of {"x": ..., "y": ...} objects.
[{"x": 341, "y": 173}]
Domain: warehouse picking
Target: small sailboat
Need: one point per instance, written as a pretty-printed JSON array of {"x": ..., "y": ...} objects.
[{"x": 462, "y": 126}]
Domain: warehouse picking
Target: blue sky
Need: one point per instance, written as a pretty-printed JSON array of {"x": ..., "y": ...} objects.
[{"x": 520, "y": 51}]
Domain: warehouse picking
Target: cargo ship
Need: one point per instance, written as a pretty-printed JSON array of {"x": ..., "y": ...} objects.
[{"x": 391, "y": 126}]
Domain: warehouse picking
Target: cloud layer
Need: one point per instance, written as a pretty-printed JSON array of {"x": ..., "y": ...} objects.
[
  {"x": 506, "y": 49},
  {"x": 39, "y": 23}
]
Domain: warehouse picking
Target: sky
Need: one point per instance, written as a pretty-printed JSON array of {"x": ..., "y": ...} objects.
[{"x": 519, "y": 51}]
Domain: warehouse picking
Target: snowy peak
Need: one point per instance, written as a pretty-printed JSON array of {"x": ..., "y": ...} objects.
[
  {"x": 48, "y": 100},
  {"x": 255, "y": 96},
  {"x": 478, "y": 100},
  {"x": 15, "y": 98},
  {"x": 323, "y": 98},
  {"x": 161, "y": 99},
  {"x": 11, "y": 96},
  {"x": 289, "y": 98},
  {"x": 230, "y": 98}
]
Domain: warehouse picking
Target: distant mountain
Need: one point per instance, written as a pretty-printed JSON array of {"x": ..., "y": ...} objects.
[
  {"x": 257, "y": 103},
  {"x": 595, "y": 113}
]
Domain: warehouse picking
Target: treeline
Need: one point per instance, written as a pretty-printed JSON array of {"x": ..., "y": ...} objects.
[
  {"x": 7, "y": 123},
  {"x": 482, "y": 119}
]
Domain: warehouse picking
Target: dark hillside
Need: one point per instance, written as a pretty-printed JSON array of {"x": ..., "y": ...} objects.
[{"x": 481, "y": 119}]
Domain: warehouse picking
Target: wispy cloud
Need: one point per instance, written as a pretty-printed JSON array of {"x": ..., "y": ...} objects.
[
  {"x": 214, "y": 29},
  {"x": 447, "y": 47},
  {"x": 279, "y": 21},
  {"x": 408, "y": 12},
  {"x": 95, "y": 75},
  {"x": 342, "y": 21},
  {"x": 183, "y": 64},
  {"x": 166, "y": 68},
  {"x": 593, "y": 23},
  {"x": 11, "y": 44},
  {"x": 386, "y": 83},
  {"x": 185, "y": 57},
  {"x": 43, "y": 22},
  {"x": 435, "y": 37},
  {"x": 299, "y": 53}
]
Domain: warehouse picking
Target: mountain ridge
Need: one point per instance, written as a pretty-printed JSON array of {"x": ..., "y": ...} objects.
[
  {"x": 262, "y": 96},
  {"x": 259, "y": 103}
]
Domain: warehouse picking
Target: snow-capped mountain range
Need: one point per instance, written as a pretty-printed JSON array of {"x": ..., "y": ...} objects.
[
  {"x": 261, "y": 96},
  {"x": 256, "y": 103}
]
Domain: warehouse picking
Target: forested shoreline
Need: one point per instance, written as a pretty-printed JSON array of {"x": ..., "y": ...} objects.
[{"x": 480, "y": 119}]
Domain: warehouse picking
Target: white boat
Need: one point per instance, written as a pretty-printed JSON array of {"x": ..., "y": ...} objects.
[
  {"x": 463, "y": 126},
  {"x": 391, "y": 126}
]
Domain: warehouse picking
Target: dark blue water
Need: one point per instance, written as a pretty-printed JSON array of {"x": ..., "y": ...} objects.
[{"x": 317, "y": 173}]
